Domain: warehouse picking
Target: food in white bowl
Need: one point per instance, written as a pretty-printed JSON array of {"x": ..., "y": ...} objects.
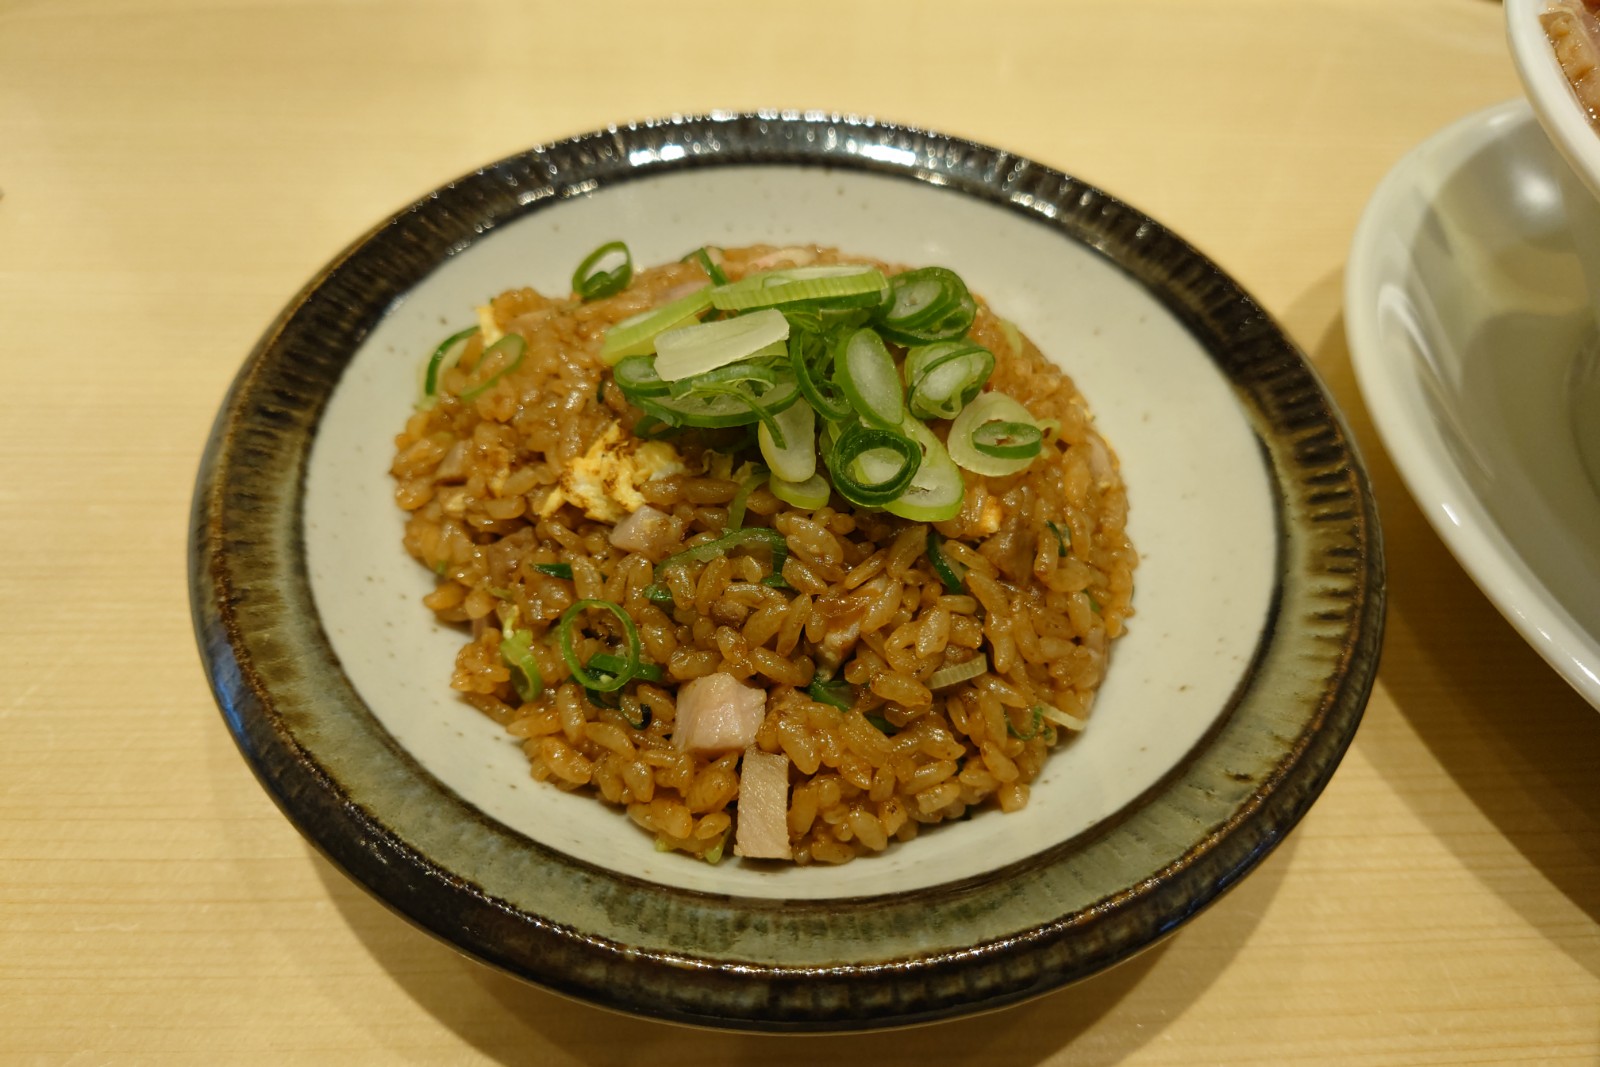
[{"x": 772, "y": 548}]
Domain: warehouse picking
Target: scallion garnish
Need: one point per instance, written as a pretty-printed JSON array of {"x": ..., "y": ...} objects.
[
  {"x": 872, "y": 466},
  {"x": 636, "y": 336},
  {"x": 965, "y": 430},
  {"x": 926, "y": 305},
  {"x": 864, "y": 370},
  {"x": 808, "y": 357},
  {"x": 506, "y": 355},
  {"x": 658, "y": 593},
  {"x": 952, "y": 574},
  {"x": 741, "y": 498},
  {"x": 842, "y": 285},
  {"x": 943, "y": 378},
  {"x": 591, "y": 282},
  {"x": 1007, "y": 440},
  {"x": 516, "y": 648},
  {"x": 702, "y": 256},
  {"x": 840, "y": 694},
  {"x": 959, "y": 672},
  {"x": 691, "y": 350},
  {"x": 1063, "y": 538},
  {"x": 774, "y": 541},
  {"x": 1038, "y": 717},
  {"x": 606, "y": 663},
  {"x": 626, "y": 668},
  {"x": 430, "y": 378},
  {"x": 789, "y": 445},
  {"x": 554, "y": 570},
  {"x": 810, "y": 494}
]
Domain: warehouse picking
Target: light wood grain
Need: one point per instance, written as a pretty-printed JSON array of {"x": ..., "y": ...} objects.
[{"x": 172, "y": 173}]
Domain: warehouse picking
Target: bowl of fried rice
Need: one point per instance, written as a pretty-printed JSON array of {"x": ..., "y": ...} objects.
[{"x": 785, "y": 571}]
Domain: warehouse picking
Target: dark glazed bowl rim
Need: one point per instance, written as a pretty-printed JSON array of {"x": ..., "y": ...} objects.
[{"x": 261, "y": 642}]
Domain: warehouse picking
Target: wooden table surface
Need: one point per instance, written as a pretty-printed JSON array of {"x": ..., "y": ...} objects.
[{"x": 173, "y": 170}]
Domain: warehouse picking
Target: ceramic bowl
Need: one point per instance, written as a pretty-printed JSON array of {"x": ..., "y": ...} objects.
[{"x": 1227, "y": 706}]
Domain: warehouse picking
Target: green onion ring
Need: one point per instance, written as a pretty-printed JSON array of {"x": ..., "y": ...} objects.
[
  {"x": 606, "y": 663},
  {"x": 1063, "y": 539},
  {"x": 516, "y": 648},
  {"x": 839, "y": 694},
  {"x": 742, "y": 497},
  {"x": 1007, "y": 440},
  {"x": 831, "y": 403},
  {"x": 702, "y": 257},
  {"x": 591, "y": 283},
  {"x": 430, "y": 380},
  {"x": 554, "y": 570},
  {"x": 511, "y": 342},
  {"x": 855, "y": 442},
  {"x": 775, "y": 542},
  {"x": 630, "y": 665}
]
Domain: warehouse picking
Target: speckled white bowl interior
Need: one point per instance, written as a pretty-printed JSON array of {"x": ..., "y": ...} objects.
[{"x": 1202, "y": 508}]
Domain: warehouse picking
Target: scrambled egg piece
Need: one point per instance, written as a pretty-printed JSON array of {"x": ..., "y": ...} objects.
[{"x": 605, "y": 480}]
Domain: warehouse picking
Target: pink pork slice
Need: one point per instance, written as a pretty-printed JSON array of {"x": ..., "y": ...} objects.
[
  {"x": 718, "y": 713},
  {"x": 762, "y": 831}
]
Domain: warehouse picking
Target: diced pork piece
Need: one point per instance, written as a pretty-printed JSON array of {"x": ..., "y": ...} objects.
[
  {"x": 718, "y": 713},
  {"x": 762, "y": 830}
]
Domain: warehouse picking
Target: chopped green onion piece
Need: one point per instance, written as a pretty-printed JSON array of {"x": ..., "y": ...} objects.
[
  {"x": 1062, "y": 718},
  {"x": 937, "y": 489},
  {"x": 865, "y": 371},
  {"x": 883, "y": 726},
  {"x": 690, "y": 350},
  {"x": 952, "y": 574},
  {"x": 590, "y": 282},
  {"x": 819, "y": 389},
  {"x": 1038, "y": 717},
  {"x": 864, "y": 468},
  {"x": 702, "y": 256},
  {"x": 841, "y": 695},
  {"x": 636, "y": 336},
  {"x": 1063, "y": 538},
  {"x": 658, "y": 593},
  {"x": 810, "y": 494},
  {"x": 776, "y": 581},
  {"x": 609, "y": 664},
  {"x": 741, "y": 498},
  {"x": 845, "y": 284},
  {"x": 774, "y": 541},
  {"x": 713, "y": 855},
  {"x": 986, "y": 408},
  {"x": 942, "y": 378},
  {"x": 636, "y": 376},
  {"x": 510, "y": 348},
  {"x": 790, "y": 445},
  {"x": 554, "y": 570},
  {"x": 430, "y": 378},
  {"x": 960, "y": 672},
  {"x": 722, "y": 406},
  {"x": 746, "y": 375},
  {"x": 629, "y": 666},
  {"x": 516, "y": 648},
  {"x": 925, "y": 305},
  {"x": 1008, "y": 440}
]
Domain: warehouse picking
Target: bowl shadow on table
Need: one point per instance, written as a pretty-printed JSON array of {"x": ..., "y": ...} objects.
[
  {"x": 1105, "y": 1017},
  {"x": 1514, "y": 737}
]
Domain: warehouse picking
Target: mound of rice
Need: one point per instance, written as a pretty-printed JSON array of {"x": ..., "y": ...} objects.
[{"x": 541, "y": 468}]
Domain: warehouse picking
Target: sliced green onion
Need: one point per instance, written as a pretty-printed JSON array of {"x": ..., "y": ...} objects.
[
  {"x": 987, "y": 408},
  {"x": 942, "y": 378},
  {"x": 841, "y": 695},
  {"x": 430, "y": 377},
  {"x": 1008, "y": 440},
  {"x": 1063, "y": 538},
  {"x": 723, "y": 407},
  {"x": 819, "y": 389},
  {"x": 691, "y": 350},
  {"x": 925, "y": 305},
  {"x": 590, "y": 282},
  {"x": 775, "y": 542},
  {"x": 937, "y": 489},
  {"x": 1061, "y": 718},
  {"x": 636, "y": 376},
  {"x": 882, "y": 725},
  {"x": 510, "y": 347},
  {"x": 609, "y": 664},
  {"x": 516, "y": 648},
  {"x": 864, "y": 464},
  {"x": 713, "y": 855},
  {"x": 658, "y": 593},
  {"x": 810, "y": 494},
  {"x": 1038, "y": 717},
  {"x": 554, "y": 570},
  {"x": 790, "y": 445},
  {"x": 742, "y": 497},
  {"x": 951, "y": 573},
  {"x": 959, "y": 672},
  {"x": 636, "y": 336},
  {"x": 864, "y": 370},
  {"x": 702, "y": 256},
  {"x": 629, "y": 665},
  {"x": 745, "y": 374},
  {"x": 845, "y": 284}
]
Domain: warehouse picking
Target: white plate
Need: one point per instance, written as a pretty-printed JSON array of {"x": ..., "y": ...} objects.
[{"x": 1468, "y": 320}]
